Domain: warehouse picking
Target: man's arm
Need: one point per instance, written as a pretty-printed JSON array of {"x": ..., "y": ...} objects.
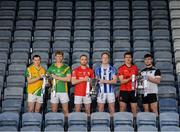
[
  {"x": 32, "y": 80},
  {"x": 124, "y": 81},
  {"x": 156, "y": 79},
  {"x": 76, "y": 81},
  {"x": 64, "y": 79},
  {"x": 113, "y": 81}
]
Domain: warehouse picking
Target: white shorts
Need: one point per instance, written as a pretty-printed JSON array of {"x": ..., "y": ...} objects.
[
  {"x": 34, "y": 98},
  {"x": 60, "y": 97},
  {"x": 103, "y": 97},
  {"x": 82, "y": 100}
]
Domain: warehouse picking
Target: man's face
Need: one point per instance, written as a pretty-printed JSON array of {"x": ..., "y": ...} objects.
[
  {"x": 128, "y": 59},
  {"x": 83, "y": 61},
  {"x": 148, "y": 61},
  {"x": 105, "y": 59},
  {"x": 36, "y": 61},
  {"x": 59, "y": 58}
]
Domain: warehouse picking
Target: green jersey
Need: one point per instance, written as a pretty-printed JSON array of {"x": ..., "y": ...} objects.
[{"x": 60, "y": 86}]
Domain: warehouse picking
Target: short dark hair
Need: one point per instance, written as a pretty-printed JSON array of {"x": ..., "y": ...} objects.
[
  {"x": 36, "y": 56},
  {"x": 128, "y": 53},
  {"x": 147, "y": 56},
  {"x": 105, "y": 53},
  {"x": 83, "y": 55},
  {"x": 58, "y": 52}
]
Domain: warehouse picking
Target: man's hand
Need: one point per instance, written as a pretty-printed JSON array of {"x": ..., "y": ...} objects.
[
  {"x": 54, "y": 76},
  {"x": 86, "y": 78}
]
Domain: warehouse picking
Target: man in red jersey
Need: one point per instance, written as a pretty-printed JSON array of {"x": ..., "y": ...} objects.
[
  {"x": 81, "y": 77},
  {"x": 127, "y": 90}
]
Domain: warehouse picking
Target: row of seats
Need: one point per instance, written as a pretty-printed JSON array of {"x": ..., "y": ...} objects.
[{"x": 98, "y": 121}]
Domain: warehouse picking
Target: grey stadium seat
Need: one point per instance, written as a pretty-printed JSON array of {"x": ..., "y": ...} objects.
[
  {"x": 121, "y": 15},
  {"x": 27, "y": 5},
  {"x": 160, "y": 24},
  {"x": 44, "y": 15},
  {"x": 169, "y": 119},
  {"x": 102, "y": 15},
  {"x": 121, "y": 5},
  {"x": 25, "y": 15},
  {"x": 101, "y": 35},
  {"x": 124, "y": 128},
  {"x": 8, "y": 5},
  {"x": 12, "y": 105},
  {"x": 54, "y": 119},
  {"x": 64, "y": 5},
  {"x": 121, "y": 24},
  {"x": 170, "y": 128},
  {"x": 44, "y": 35},
  {"x": 155, "y": 5},
  {"x": 159, "y": 14},
  {"x": 141, "y": 34},
  {"x": 63, "y": 25},
  {"x": 139, "y": 5},
  {"x": 6, "y": 25},
  {"x": 83, "y": 5},
  {"x": 160, "y": 34},
  {"x": 41, "y": 46},
  {"x": 32, "y": 128},
  {"x": 49, "y": 128},
  {"x": 13, "y": 93},
  {"x": 7, "y": 15},
  {"x": 120, "y": 45},
  {"x": 139, "y": 56},
  {"x": 77, "y": 118},
  {"x": 43, "y": 25},
  {"x": 140, "y": 14},
  {"x": 21, "y": 46},
  {"x": 9, "y": 119},
  {"x": 5, "y": 35},
  {"x": 140, "y": 24},
  {"x": 61, "y": 45},
  {"x": 121, "y": 35},
  {"x": 146, "y": 118},
  {"x": 15, "y": 80},
  {"x": 163, "y": 56},
  {"x": 147, "y": 128},
  {"x": 8, "y": 128},
  {"x": 161, "y": 45},
  {"x": 101, "y": 45},
  {"x": 141, "y": 45},
  {"x": 105, "y": 5},
  {"x": 17, "y": 69},
  {"x": 82, "y": 25},
  {"x": 45, "y": 5},
  {"x": 168, "y": 105},
  {"x": 123, "y": 118},
  {"x": 100, "y": 128},
  {"x": 82, "y": 35},
  {"x": 80, "y": 45},
  {"x": 19, "y": 57},
  {"x": 101, "y": 24},
  {"x": 3, "y": 57},
  {"x": 62, "y": 35},
  {"x": 22, "y": 35},
  {"x": 77, "y": 129},
  {"x": 24, "y": 25},
  {"x": 100, "y": 118},
  {"x": 4, "y": 47},
  {"x": 167, "y": 79},
  {"x": 32, "y": 119},
  {"x": 63, "y": 15}
]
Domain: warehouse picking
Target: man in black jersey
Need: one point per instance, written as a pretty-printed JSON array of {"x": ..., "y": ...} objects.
[{"x": 151, "y": 77}]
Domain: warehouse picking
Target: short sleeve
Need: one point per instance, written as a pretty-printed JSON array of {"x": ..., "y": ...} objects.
[
  {"x": 97, "y": 72},
  {"x": 157, "y": 72},
  {"x": 92, "y": 74},
  {"x": 120, "y": 71},
  {"x": 27, "y": 74},
  {"x": 113, "y": 71},
  {"x": 68, "y": 71},
  {"x": 136, "y": 70}
]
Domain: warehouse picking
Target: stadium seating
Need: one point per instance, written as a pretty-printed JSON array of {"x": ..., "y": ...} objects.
[{"x": 88, "y": 27}]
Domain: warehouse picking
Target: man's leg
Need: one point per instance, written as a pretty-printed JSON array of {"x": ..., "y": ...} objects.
[
  {"x": 54, "y": 107},
  {"x": 111, "y": 109},
  {"x": 65, "y": 109},
  {"x": 38, "y": 107},
  {"x": 77, "y": 102},
  {"x": 31, "y": 106},
  {"x": 146, "y": 107},
  {"x": 154, "y": 108},
  {"x": 101, "y": 107},
  {"x": 122, "y": 106},
  {"x": 31, "y": 102},
  {"x": 88, "y": 109},
  {"x": 134, "y": 109}
]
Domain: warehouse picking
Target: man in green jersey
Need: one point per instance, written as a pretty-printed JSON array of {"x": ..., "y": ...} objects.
[{"x": 61, "y": 75}]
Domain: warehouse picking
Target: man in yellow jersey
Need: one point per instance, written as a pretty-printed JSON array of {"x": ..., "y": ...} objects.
[
  {"x": 34, "y": 74},
  {"x": 61, "y": 75}
]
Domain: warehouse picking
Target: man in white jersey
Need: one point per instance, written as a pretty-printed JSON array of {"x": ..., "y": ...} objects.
[
  {"x": 152, "y": 76},
  {"x": 107, "y": 77}
]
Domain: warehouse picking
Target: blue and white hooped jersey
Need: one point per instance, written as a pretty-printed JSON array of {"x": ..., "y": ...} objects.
[{"x": 106, "y": 74}]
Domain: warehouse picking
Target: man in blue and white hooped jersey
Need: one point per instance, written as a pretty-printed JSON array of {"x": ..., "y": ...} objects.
[{"x": 106, "y": 74}]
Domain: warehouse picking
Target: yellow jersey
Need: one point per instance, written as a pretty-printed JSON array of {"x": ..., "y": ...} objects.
[{"x": 34, "y": 72}]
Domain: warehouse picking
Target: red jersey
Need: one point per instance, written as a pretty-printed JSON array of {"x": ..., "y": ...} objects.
[
  {"x": 80, "y": 88},
  {"x": 127, "y": 72}
]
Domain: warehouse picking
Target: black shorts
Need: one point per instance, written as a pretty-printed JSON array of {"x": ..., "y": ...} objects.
[
  {"x": 150, "y": 98},
  {"x": 128, "y": 97}
]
